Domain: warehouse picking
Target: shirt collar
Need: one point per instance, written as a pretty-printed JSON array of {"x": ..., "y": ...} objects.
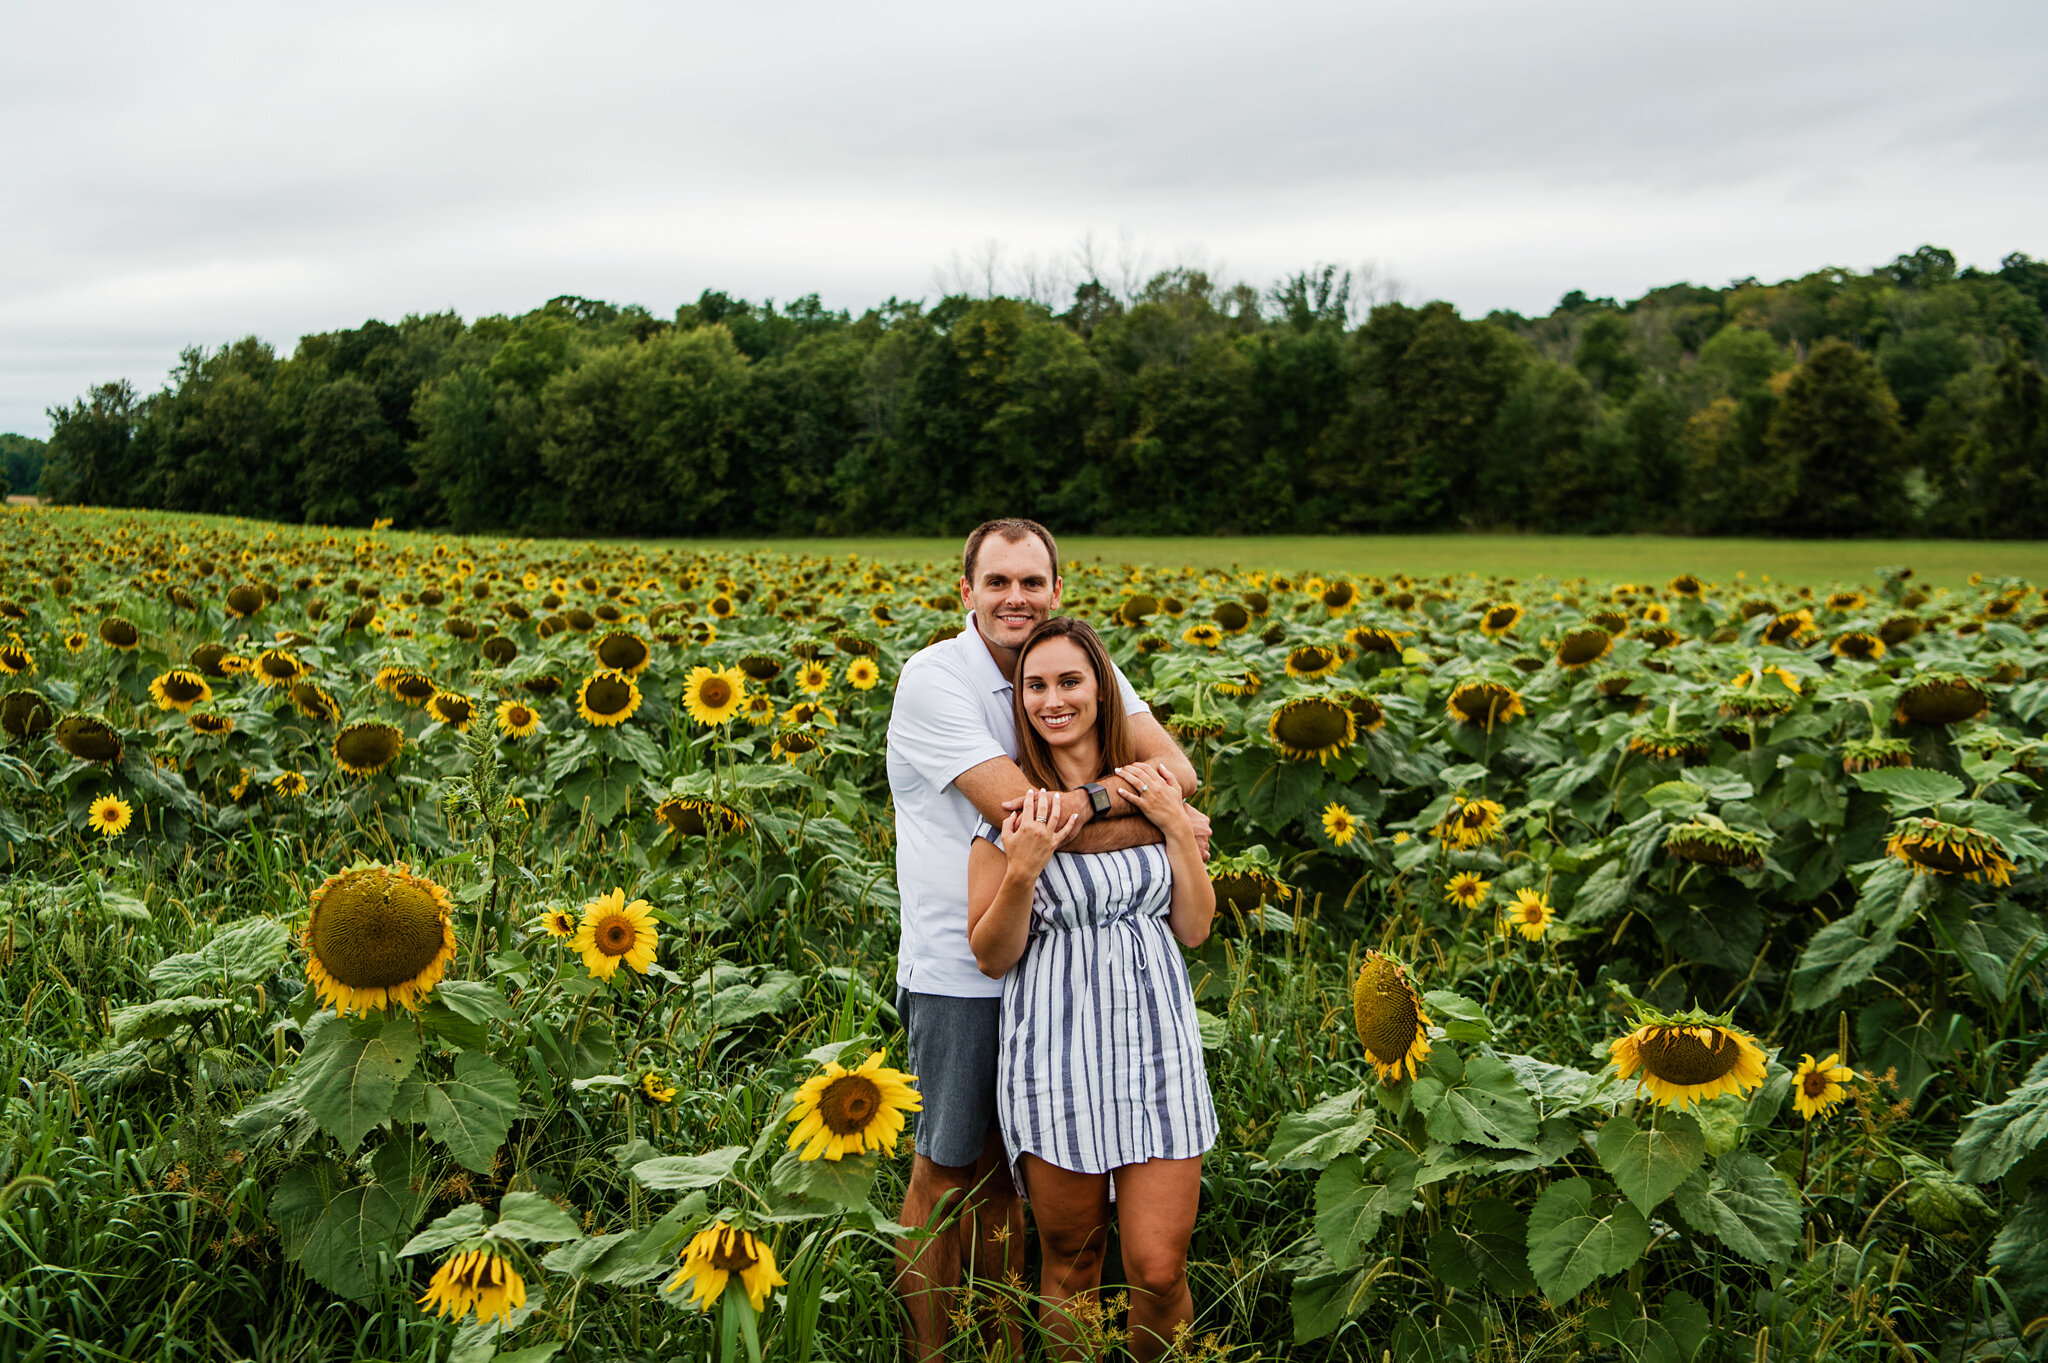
[{"x": 980, "y": 662}]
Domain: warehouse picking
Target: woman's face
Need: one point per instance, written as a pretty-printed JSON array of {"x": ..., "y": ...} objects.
[{"x": 1059, "y": 691}]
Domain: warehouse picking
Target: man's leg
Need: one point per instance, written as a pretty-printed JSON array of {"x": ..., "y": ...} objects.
[
  {"x": 928, "y": 1269},
  {"x": 999, "y": 1241}
]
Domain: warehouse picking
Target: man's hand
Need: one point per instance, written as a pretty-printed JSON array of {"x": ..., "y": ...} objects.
[{"x": 1199, "y": 823}]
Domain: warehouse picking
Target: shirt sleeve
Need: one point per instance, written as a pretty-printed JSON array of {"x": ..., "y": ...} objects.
[
  {"x": 1132, "y": 705},
  {"x": 937, "y": 727}
]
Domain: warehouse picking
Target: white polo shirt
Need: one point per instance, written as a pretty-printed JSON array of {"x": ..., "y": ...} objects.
[{"x": 952, "y": 712}]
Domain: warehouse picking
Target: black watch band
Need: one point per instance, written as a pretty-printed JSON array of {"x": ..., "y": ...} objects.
[{"x": 1098, "y": 797}]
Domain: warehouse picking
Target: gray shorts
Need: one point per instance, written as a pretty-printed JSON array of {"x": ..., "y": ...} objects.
[{"x": 953, "y": 1045}]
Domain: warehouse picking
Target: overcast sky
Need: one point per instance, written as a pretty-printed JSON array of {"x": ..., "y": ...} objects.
[{"x": 181, "y": 174}]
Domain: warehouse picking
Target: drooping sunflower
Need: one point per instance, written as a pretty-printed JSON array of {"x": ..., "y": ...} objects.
[
  {"x": 1843, "y": 602},
  {"x": 368, "y": 746},
  {"x": 1688, "y": 1058},
  {"x": 1583, "y": 648},
  {"x": 1900, "y": 629},
  {"x": 1686, "y": 585},
  {"x": 110, "y": 816},
  {"x": 1136, "y": 610},
  {"x": 1817, "y": 1085},
  {"x": 844, "y": 1111},
  {"x": 622, "y": 651},
  {"x": 117, "y": 633},
  {"x": 1939, "y": 698},
  {"x": 1371, "y": 639},
  {"x": 310, "y": 699},
  {"x": 559, "y": 923},
  {"x": 1665, "y": 742},
  {"x": 694, "y": 818},
  {"x": 179, "y": 690},
  {"x": 211, "y": 724},
  {"x": 613, "y": 931},
  {"x": 716, "y": 1256},
  {"x": 243, "y": 600},
  {"x": 1340, "y": 825},
  {"x": 862, "y": 674},
  {"x": 89, "y": 739},
  {"x": 1232, "y": 617},
  {"x": 1930, "y": 846},
  {"x": 1530, "y": 915},
  {"x": 413, "y": 688},
  {"x": 793, "y": 743},
  {"x": 479, "y": 1280},
  {"x": 1868, "y": 754},
  {"x": 1790, "y": 629},
  {"x": 452, "y": 709},
  {"x": 1715, "y": 844},
  {"x": 714, "y": 697},
  {"x": 761, "y": 667},
  {"x": 1246, "y": 684},
  {"x": 1313, "y": 726},
  {"x": 499, "y": 650},
  {"x": 1485, "y": 703},
  {"x": 16, "y": 660},
  {"x": 290, "y": 784},
  {"x": 276, "y": 667},
  {"x": 377, "y": 936},
  {"x": 655, "y": 1089},
  {"x": 1858, "y": 646},
  {"x": 1311, "y": 661},
  {"x": 1500, "y": 619},
  {"x": 1389, "y": 1017},
  {"x": 1470, "y": 823},
  {"x": 607, "y": 699},
  {"x": 1466, "y": 889},
  {"x": 25, "y": 714},
  {"x": 1202, "y": 636}
]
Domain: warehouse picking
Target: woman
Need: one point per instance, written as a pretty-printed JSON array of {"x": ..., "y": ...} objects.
[{"x": 1100, "y": 1074}]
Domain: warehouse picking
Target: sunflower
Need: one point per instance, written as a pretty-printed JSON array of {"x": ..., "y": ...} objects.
[
  {"x": 1370, "y": 639},
  {"x": 607, "y": 699},
  {"x": 1790, "y": 629},
  {"x": 715, "y": 697},
  {"x": 1340, "y": 825},
  {"x": 699, "y": 818},
  {"x": 1245, "y": 684},
  {"x": 1311, "y": 661},
  {"x": 655, "y": 1089},
  {"x": 368, "y": 746},
  {"x": 1686, "y": 585},
  {"x": 479, "y": 1280},
  {"x": 516, "y": 719},
  {"x": 761, "y": 667},
  {"x": 210, "y": 724},
  {"x": 1689, "y": 1058},
  {"x": 716, "y": 1256},
  {"x": 841, "y": 1111},
  {"x": 559, "y": 923},
  {"x": 110, "y": 816},
  {"x": 793, "y": 743},
  {"x": 454, "y": 710},
  {"x": 16, "y": 660},
  {"x": 1484, "y": 703},
  {"x": 1656, "y": 613},
  {"x": 1817, "y": 1085},
  {"x": 179, "y": 690},
  {"x": 1470, "y": 823},
  {"x": 1843, "y": 602},
  {"x": 89, "y": 739},
  {"x": 1689, "y": 746},
  {"x": 311, "y": 700},
  {"x": 1937, "y": 698},
  {"x": 1659, "y": 636},
  {"x": 75, "y": 642},
  {"x": 1900, "y": 629},
  {"x": 759, "y": 711},
  {"x": 1391, "y": 1024},
  {"x": 1137, "y": 609},
  {"x": 1931, "y": 846},
  {"x": 1312, "y": 726},
  {"x": 290, "y": 784},
  {"x": 24, "y": 713},
  {"x": 1232, "y": 617},
  {"x": 622, "y": 651},
  {"x": 120, "y": 634},
  {"x": 1202, "y": 636},
  {"x": 1868, "y": 754},
  {"x": 1499, "y": 619},
  {"x": 413, "y": 688},
  {"x": 862, "y": 674},
  {"x": 1858, "y": 646},
  {"x": 813, "y": 677},
  {"x": 613, "y": 931},
  {"x": 1583, "y": 647},
  {"x": 377, "y": 936},
  {"x": 1466, "y": 889},
  {"x": 1338, "y": 597},
  {"x": 499, "y": 650},
  {"x": 275, "y": 667},
  {"x": 1530, "y": 915},
  {"x": 1715, "y": 844}
]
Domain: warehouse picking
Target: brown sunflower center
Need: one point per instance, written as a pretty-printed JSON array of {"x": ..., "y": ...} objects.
[
  {"x": 519, "y": 716},
  {"x": 1532, "y": 913},
  {"x": 607, "y": 695},
  {"x": 1311, "y": 724},
  {"x": 1815, "y": 1083},
  {"x": 1676, "y": 1056},
  {"x": 1502, "y": 617},
  {"x": 614, "y": 934},
  {"x": 623, "y": 651},
  {"x": 374, "y": 930},
  {"x": 1388, "y": 1020},
  {"x": 183, "y": 687},
  {"x": 280, "y": 665},
  {"x": 715, "y": 693},
  {"x": 1482, "y": 702},
  {"x": 732, "y": 1253},
  {"x": 849, "y": 1103}
]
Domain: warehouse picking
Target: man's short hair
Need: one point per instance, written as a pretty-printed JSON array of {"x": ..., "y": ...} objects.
[{"x": 1011, "y": 529}]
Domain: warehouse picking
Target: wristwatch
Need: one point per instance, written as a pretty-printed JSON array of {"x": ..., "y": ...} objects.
[{"x": 1098, "y": 798}]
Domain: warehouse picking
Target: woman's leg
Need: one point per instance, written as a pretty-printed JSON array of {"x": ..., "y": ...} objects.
[
  {"x": 1072, "y": 1212},
  {"x": 1155, "y": 1205}
]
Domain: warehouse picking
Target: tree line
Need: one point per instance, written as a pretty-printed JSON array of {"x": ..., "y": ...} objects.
[{"x": 1908, "y": 399}]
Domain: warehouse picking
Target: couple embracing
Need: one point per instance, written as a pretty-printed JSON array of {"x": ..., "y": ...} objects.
[{"x": 1048, "y": 863}]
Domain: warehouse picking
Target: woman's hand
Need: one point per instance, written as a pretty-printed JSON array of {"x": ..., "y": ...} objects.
[
  {"x": 1156, "y": 794},
  {"x": 1035, "y": 830}
]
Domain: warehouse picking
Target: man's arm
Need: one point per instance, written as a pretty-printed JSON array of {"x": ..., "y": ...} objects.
[
  {"x": 989, "y": 785},
  {"x": 1156, "y": 746}
]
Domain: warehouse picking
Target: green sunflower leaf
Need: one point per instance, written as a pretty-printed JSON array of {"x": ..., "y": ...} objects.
[
  {"x": 1743, "y": 1203},
  {"x": 349, "y": 1082},
  {"x": 471, "y": 1113},
  {"x": 1649, "y": 1162},
  {"x": 1310, "y": 1140},
  {"x": 1576, "y": 1239}
]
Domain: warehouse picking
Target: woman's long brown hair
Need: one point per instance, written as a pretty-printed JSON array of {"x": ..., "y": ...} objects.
[{"x": 1112, "y": 726}]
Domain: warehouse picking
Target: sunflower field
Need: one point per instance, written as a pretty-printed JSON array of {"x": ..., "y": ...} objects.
[{"x": 444, "y": 948}]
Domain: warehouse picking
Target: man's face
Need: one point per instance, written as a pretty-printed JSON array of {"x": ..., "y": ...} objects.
[{"x": 1013, "y": 590}]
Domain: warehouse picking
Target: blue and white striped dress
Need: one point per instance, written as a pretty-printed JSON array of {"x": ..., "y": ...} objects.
[{"x": 1101, "y": 1060}]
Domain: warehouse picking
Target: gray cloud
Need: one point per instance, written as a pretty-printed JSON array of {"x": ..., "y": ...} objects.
[{"x": 182, "y": 175}]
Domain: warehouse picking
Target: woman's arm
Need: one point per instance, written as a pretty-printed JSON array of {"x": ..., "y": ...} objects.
[
  {"x": 1157, "y": 795},
  {"x": 1000, "y": 882}
]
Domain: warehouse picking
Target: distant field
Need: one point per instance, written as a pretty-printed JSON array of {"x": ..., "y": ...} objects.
[{"x": 1941, "y": 562}]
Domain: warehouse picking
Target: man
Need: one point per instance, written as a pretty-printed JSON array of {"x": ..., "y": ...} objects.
[{"x": 952, "y": 762}]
